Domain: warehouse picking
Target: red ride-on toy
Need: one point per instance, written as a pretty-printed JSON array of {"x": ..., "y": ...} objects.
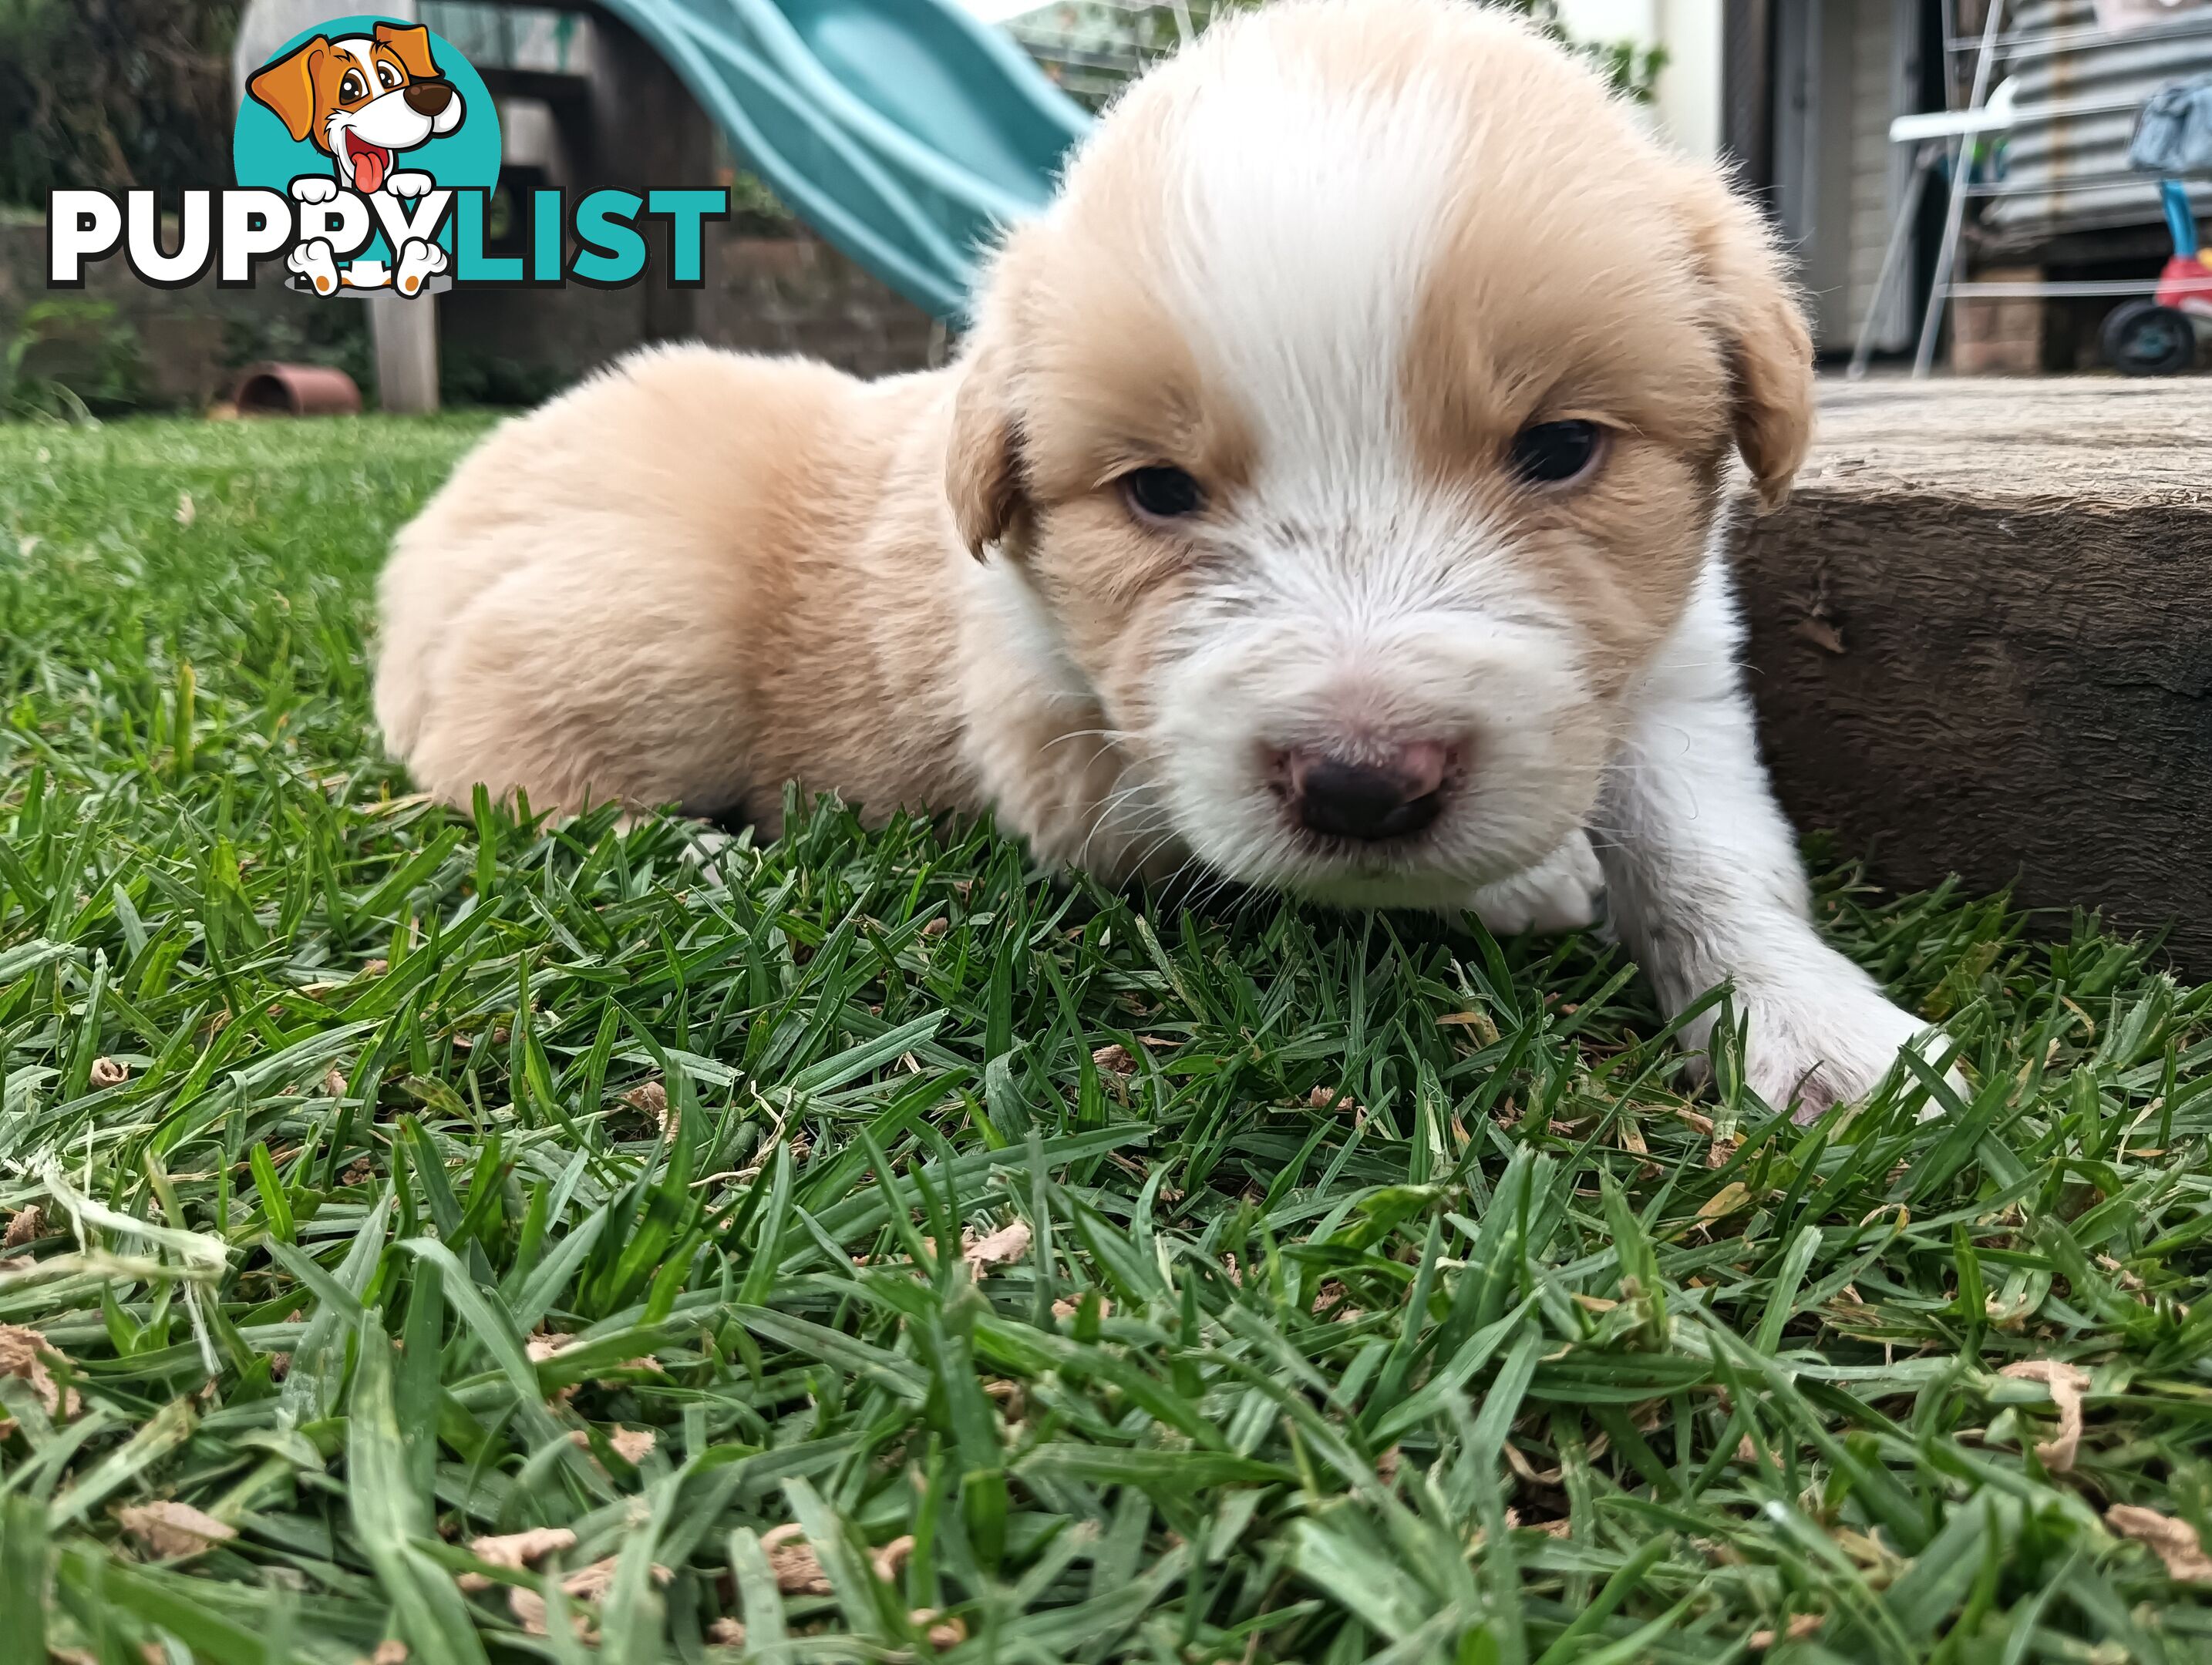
[{"x": 2159, "y": 336}]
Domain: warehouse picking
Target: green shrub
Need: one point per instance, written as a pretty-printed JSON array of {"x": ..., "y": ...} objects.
[
  {"x": 71, "y": 358},
  {"x": 110, "y": 94}
]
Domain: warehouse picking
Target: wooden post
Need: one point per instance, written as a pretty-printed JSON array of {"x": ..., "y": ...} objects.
[
  {"x": 405, "y": 329},
  {"x": 1981, "y": 643}
]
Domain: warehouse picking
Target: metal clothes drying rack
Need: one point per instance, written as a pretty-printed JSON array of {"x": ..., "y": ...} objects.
[{"x": 1952, "y": 132}]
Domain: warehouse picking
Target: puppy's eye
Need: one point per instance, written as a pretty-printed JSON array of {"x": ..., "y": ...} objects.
[
  {"x": 1163, "y": 493},
  {"x": 352, "y": 87},
  {"x": 386, "y": 73},
  {"x": 1553, "y": 452}
]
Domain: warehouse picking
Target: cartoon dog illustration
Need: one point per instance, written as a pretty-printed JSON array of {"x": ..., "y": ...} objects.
[{"x": 362, "y": 99}]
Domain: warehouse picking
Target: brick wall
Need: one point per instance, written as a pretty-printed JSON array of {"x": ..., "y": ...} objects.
[
  {"x": 800, "y": 295},
  {"x": 1999, "y": 336}
]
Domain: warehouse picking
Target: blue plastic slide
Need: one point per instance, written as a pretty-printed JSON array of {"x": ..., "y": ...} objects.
[{"x": 904, "y": 131}]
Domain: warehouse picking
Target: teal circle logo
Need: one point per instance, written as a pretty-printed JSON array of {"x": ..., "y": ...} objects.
[{"x": 387, "y": 113}]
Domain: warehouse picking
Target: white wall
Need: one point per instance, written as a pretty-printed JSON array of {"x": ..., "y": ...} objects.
[{"x": 1689, "y": 92}]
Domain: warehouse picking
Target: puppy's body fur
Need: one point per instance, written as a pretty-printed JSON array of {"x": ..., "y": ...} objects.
[
  {"x": 1330, "y": 262},
  {"x": 745, "y": 565}
]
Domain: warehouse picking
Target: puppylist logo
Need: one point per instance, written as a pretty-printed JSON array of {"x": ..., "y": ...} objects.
[
  {"x": 367, "y": 154},
  {"x": 370, "y": 134}
]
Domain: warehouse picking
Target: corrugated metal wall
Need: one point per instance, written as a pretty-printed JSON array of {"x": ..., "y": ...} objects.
[{"x": 2065, "y": 164}]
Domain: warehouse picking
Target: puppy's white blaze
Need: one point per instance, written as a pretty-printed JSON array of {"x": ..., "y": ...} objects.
[
  {"x": 1372, "y": 565},
  {"x": 358, "y": 49},
  {"x": 1302, "y": 654},
  {"x": 1311, "y": 219},
  {"x": 1356, "y": 597}
]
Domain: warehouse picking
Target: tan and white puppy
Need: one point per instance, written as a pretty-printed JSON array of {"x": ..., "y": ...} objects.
[{"x": 1329, "y": 495}]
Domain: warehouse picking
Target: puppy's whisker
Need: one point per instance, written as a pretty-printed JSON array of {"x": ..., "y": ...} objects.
[
  {"x": 1111, "y": 736},
  {"x": 1103, "y": 815}
]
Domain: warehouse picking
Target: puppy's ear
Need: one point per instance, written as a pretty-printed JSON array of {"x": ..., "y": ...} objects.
[
  {"x": 411, "y": 46},
  {"x": 288, "y": 87},
  {"x": 983, "y": 461},
  {"x": 1770, "y": 346}
]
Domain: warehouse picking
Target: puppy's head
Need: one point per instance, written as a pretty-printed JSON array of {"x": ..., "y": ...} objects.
[
  {"x": 361, "y": 98},
  {"x": 1358, "y": 416}
]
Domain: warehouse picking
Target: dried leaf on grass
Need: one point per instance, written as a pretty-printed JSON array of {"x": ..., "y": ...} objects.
[
  {"x": 651, "y": 1097},
  {"x": 630, "y": 1445},
  {"x": 24, "y": 1352},
  {"x": 892, "y": 1557},
  {"x": 1800, "y": 1626},
  {"x": 28, "y": 1223},
  {"x": 792, "y": 1560},
  {"x": 1726, "y": 1200},
  {"x": 171, "y": 1528},
  {"x": 515, "y": 1551},
  {"x": 941, "y": 1633},
  {"x": 2175, "y": 1543},
  {"x": 2066, "y": 1383},
  {"x": 589, "y": 1585},
  {"x": 1007, "y": 1244}
]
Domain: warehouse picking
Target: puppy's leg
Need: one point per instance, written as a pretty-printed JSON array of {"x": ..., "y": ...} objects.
[
  {"x": 584, "y": 681},
  {"x": 1561, "y": 893},
  {"x": 1705, "y": 884}
]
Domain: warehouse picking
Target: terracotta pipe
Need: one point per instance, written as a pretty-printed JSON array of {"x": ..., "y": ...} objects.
[{"x": 296, "y": 389}]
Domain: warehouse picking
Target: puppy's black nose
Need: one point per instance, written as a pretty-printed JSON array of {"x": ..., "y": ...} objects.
[
  {"x": 1368, "y": 802},
  {"x": 428, "y": 98}
]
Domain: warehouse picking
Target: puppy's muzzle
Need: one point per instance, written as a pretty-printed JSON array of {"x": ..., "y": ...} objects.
[
  {"x": 1395, "y": 793},
  {"x": 429, "y": 98}
]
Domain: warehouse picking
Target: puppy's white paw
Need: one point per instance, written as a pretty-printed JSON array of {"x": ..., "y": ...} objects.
[
  {"x": 315, "y": 188},
  {"x": 704, "y": 852},
  {"x": 1563, "y": 892},
  {"x": 1827, "y": 1043},
  {"x": 409, "y": 184},
  {"x": 317, "y": 262},
  {"x": 417, "y": 261}
]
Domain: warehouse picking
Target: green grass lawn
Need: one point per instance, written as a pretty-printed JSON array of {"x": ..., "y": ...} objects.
[{"x": 897, "y": 1250}]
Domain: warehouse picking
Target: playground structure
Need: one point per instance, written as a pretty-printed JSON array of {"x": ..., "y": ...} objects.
[{"x": 902, "y": 132}]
